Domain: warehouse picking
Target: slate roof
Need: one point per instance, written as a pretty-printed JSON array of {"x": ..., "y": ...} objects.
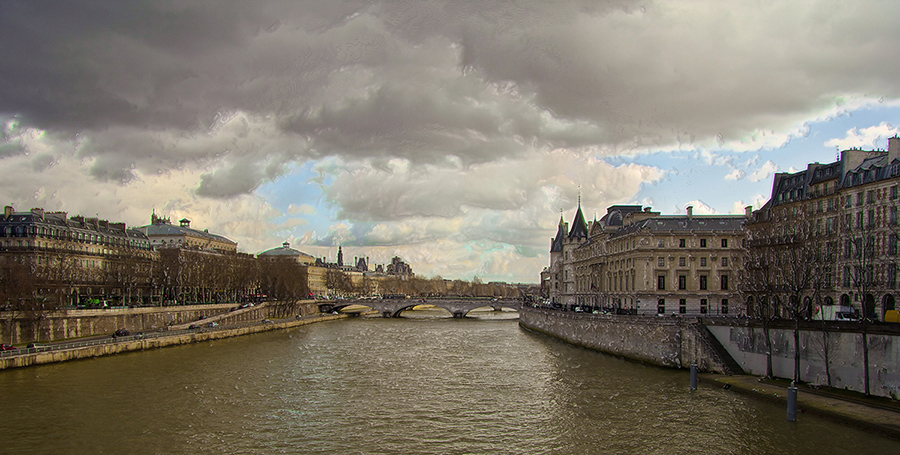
[
  {"x": 684, "y": 224},
  {"x": 579, "y": 226},
  {"x": 285, "y": 250},
  {"x": 557, "y": 244}
]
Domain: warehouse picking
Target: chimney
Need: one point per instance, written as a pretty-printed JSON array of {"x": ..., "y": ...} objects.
[
  {"x": 38, "y": 213},
  {"x": 748, "y": 210},
  {"x": 893, "y": 148},
  {"x": 690, "y": 211}
]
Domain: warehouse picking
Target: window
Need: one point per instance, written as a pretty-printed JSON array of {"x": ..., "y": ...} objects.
[
  {"x": 661, "y": 262},
  {"x": 661, "y": 306},
  {"x": 724, "y": 262},
  {"x": 682, "y": 282},
  {"x": 702, "y": 243},
  {"x": 661, "y": 282},
  {"x": 704, "y": 306},
  {"x": 682, "y": 306},
  {"x": 681, "y": 243},
  {"x": 724, "y": 243},
  {"x": 870, "y": 197},
  {"x": 702, "y": 262},
  {"x": 892, "y": 245},
  {"x": 724, "y": 282},
  {"x": 724, "y": 306},
  {"x": 681, "y": 262},
  {"x": 894, "y": 192},
  {"x": 859, "y": 219},
  {"x": 893, "y": 216},
  {"x": 702, "y": 282}
]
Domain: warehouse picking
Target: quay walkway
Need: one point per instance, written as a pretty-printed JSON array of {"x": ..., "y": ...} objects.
[
  {"x": 874, "y": 414},
  {"x": 101, "y": 346}
]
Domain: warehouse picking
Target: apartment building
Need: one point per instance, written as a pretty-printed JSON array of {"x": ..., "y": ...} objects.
[
  {"x": 845, "y": 216},
  {"x": 60, "y": 260}
]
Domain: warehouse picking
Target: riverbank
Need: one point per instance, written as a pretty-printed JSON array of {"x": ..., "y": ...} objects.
[
  {"x": 864, "y": 413},
  {"x": 88, "y": 350}
]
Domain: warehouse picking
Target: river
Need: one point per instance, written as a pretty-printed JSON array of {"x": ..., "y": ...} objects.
[{"x": 393, "y": 386}]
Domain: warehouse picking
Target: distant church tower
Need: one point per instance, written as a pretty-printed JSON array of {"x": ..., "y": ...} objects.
[{"x": 340, "y": 257}]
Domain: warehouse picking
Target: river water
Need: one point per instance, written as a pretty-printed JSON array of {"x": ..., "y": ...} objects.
[{"x": 393, "y": 386}]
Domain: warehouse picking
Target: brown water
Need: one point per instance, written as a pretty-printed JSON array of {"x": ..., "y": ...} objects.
[{"x": 393, "y": 386}]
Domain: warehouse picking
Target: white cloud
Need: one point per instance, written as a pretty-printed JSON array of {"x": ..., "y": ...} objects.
[
  {"x": 736, "y": 174},
  {"x": 301, "y": 209},
  {"x": 700, "y": 208},
  {"x": 765, "y": 171},
  {"x": 865, "y": 138}
]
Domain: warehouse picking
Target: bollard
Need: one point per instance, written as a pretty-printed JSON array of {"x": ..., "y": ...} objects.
[
  {"x": 792, "y": 403},
  {"x": 693, "y": 377}
]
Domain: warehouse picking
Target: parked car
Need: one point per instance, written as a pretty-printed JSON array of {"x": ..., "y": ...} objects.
[
  {"x": 7, "y": 347},
  {"x": 37, "y": 346},
  {"x": 121, "y": 333},
  {"x": 212, "y": 324}
]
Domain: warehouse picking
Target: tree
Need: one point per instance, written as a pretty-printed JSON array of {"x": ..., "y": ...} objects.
[
  {"x": 796, "y": 270},
  {"x": 860, "y": 247},
  {"x": 284, "y": 281},
  {"x": 338, "y": 281},
  {"x": 758, "y": 282}
]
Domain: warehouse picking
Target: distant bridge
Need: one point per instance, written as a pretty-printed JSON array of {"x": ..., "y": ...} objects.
[{"x": 391, "y": 308}]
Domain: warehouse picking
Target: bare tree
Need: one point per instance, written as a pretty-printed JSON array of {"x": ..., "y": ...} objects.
[
  {"x": 758, "y": 285},
  {"x": 284, "y": 281}
]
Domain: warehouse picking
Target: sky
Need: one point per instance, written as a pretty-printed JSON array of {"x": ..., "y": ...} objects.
[{"x": 453, "y": 134}]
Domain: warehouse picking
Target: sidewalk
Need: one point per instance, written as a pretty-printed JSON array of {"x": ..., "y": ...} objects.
[{"x": 878, "y": 416}]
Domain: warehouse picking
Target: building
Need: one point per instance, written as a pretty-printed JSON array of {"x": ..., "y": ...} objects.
[
  {"x": 558, "y": 280},
  {"x": 73, "y": 260},
  {"x": 843, "y": 217},
  {"x": 634, "y": 260},
  {"x": 285, "y": 251},
  {"x": 163, "y": 234}
]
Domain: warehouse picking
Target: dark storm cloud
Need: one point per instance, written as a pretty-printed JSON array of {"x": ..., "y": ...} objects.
[{"x": 146, "y": 84}]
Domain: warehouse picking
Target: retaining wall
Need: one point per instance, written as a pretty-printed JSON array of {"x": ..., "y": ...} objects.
[
  {"x": 663, "y": 341},
  {"x": 66, "y": 324},
  {"x": 87, "y": 352},
  {"x": 747, "y": 345}
]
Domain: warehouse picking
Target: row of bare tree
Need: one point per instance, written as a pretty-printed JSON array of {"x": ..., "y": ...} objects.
[{"x": 792, "y": 273}]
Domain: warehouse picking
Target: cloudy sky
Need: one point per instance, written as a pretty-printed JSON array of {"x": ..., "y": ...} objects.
[{"x": 449, "y": 133}]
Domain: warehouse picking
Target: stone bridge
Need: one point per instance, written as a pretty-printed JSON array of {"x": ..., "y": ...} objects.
[{"x": 391, "y": 308}]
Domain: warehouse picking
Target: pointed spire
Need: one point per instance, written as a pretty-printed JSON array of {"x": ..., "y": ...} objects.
[{"x": 579, "y": 226}]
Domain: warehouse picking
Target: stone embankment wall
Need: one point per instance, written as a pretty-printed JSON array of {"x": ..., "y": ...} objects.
[
  {"x": 66, "y": 324},
  {"x": 88, "y": 352},
  {"x": 663, "y": 341},
  {"x": 840, "y": 343}
]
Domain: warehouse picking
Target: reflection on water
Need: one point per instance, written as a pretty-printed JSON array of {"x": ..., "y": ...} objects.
[{"x": 393, "y": 386}]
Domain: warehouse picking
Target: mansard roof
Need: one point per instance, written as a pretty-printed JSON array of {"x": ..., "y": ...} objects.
[
  {"x": 163, "y": 227},
  {"x": 615, "y": 214},
  {"x": 694, "y": 224}
]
